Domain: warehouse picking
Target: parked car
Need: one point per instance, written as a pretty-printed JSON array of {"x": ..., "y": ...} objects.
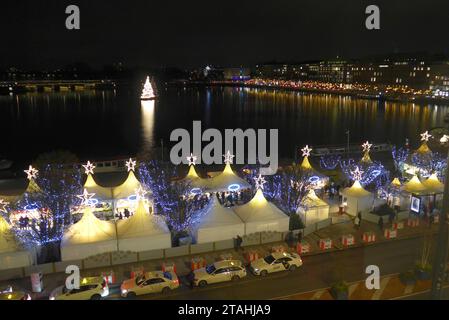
[
  {"x": 91, "y": 288},
  {"x": 221, "y": 271},
  {"x": 275, "y": 262},
  {"x": 8, "y": 293},
  {"x": 150, "y": 282}
]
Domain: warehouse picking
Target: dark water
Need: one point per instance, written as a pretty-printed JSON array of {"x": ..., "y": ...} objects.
[{"x": 103, "y": 124}]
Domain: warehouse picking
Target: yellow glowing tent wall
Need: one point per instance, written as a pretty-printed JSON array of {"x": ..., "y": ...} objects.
[
  {"x": 143, "y": 232},
  {"x": 317, "y": 209},
  {"x": 259, "y": 215},
  {"x": 222, "y": 181},
  {"x": 88, "y": 237},
  {"x": 127, "y": 188},
  {"x": 102, "y": 193},
  {"x": 357, "y": 199},
  {"x": 218, "y": 223}
]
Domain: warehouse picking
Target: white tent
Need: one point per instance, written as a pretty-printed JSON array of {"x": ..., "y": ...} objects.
[
  {"x": 260, "y": 215},
  {"x": 127, "y": 188},
  {"x": 11, "y": 253},
  {"x": 88, "y": 237},
  {"x": 313, "y": 209},
  {"x": 143, "y": 231},
  {"x": 194, "y": 179},
  {"x": 218, "y": 223},
  {"x": 357, "y": 199},
  {"x": 225, "y": 181},
  {"x": 433, "y": 184},
  {"x": 414, "y": 185},
  {"x": 102, "y": 193}
]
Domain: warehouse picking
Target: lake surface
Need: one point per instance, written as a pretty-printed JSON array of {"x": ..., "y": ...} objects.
[{"x": 104, "y": 124}]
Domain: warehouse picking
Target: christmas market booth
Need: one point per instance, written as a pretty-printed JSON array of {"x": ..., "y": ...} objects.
[
  {"x": 356, "y": 199},
  {"x": 226, "y": 181},
  {"x": 316, "y": 179},
  {"x": 422, "y": 197},
  {"x": 143, "y": 231},
  {"x": 313, "y": 209},
  {"x": 422, "y": 161},
  {"x": 103, "y": 201},
  {"x": 12, "y": 255},
  {"x": 260, "y": 215},
  {"x": 218, "y": 223},
  {"x": 89, "y": 236},
  {"x": 125, "y": 197}
]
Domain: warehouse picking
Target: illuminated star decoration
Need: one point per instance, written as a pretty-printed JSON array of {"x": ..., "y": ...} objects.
[
  {"x": 357, "y": 174},
  {"x": 31, "y": 173},
  {"x": 85, "y": 198},
  {"x": 3, "y": 205},
  {"x": 444, "y": 138},
  {"x": 425, "y": 136},
  {"x": 140, "y": 193},
  {"x": 192, "y": 159},
  {"x": 130, "y": 164},
  {"x": 260, "y": 181},
  {"x": 89, "y": 168},
  {"x": 228, "y": 157},
  {"x": 306, "y": 151},
  {"x": 366, "y": 146}
]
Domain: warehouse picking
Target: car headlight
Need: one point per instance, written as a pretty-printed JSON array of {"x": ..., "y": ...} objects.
[
  {"x": 255, "y": 269},
  {"x": 124, "y": 291},
  {"x": 52, "y": 298}
]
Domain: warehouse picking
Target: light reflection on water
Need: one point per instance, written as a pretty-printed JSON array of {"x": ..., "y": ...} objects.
[{"x": 102, "y": 124}]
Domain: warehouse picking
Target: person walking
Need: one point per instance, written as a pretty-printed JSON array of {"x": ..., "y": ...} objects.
[
  {"x": 357, "y": 222},
  {"x": 381, "y": 224},
  {"x": 299, "y": 237},
  {"x": 359, "y": 215},
  {"x": 238, "y": 241}
]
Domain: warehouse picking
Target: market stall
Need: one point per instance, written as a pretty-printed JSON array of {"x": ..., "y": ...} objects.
[
  {"x": 218, "y": 223},
  {"x": 12, "y": 255},
  {"x": 313, "y": 209},
  {"x": 261, "y": 215},
  {"x": 143, "y": 231},
  {"x": 356, "y": 199},
  {"x": 88, "y": 237}
]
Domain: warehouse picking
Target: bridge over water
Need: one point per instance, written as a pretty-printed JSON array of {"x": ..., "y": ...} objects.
[{"x": 19, "y": 86}]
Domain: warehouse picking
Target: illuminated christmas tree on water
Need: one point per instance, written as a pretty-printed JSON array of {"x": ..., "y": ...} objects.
[{"x": 147, "y": 92}]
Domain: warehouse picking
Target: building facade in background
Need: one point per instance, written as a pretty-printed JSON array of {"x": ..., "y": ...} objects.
[{"x": 426, "y": 73}]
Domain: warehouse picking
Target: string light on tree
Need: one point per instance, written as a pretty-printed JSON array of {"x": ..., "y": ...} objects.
[
  {"x": 228, "y": 157},
  {"x": 357, "y": 174},
  {"x": 425, "y": 136},
  {"x": 366, "y": 146},
  {"x": 3, "y": 205},
  {"x": 192, "y": 159},
  {"x": 130, "y": 164},
  {"x": 306, "y": 151},
  {"x": 260, "y": 181},
  {"x": 89, "y": 168},
  {"x": 85, "y": 198}
]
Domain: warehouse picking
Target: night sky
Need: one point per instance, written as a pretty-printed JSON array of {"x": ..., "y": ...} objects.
[{"x": 145, "y": 33}]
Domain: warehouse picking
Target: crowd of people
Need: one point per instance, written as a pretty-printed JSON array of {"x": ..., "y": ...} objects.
[
  {"x": 229, "y": 198},
  {"x": 124, "y": 214}
]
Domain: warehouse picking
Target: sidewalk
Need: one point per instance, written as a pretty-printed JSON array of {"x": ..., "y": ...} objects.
[
  {"x": 391, "y": 287},
  {"x": 183, "y": 263}
]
